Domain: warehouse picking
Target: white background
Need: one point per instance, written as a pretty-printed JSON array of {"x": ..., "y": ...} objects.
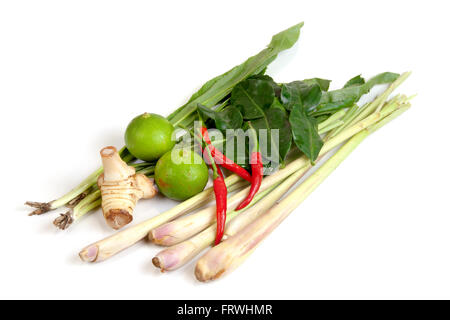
[{"x": 73, "y": 73}]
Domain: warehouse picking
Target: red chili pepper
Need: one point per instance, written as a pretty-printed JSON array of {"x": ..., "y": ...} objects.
[
  {"x": 223, "y": 161},
  {"x": 257, "y": 169},
  {"x": 257, "y": 175},
  {"x": 220, "y": 188},
  {"x": 220, "y": 191}
]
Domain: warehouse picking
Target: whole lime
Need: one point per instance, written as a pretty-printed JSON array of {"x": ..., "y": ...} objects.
[
  {"x": 181, "y": 174},
  {"x": 149, "y": 136}
]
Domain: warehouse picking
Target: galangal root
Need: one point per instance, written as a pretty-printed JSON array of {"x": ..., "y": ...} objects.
[{"x": 121, "y": 188}]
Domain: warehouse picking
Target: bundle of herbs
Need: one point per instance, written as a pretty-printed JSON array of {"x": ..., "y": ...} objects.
[{"x": 266, "y": 135}]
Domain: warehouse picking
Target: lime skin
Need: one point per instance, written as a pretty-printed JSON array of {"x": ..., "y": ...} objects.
[
  {"x": 149, "y": 136},
  {"x": 181, "y": 174}
]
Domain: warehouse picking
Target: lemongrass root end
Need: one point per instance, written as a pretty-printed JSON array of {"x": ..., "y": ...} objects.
[
  {"x": 64, "y": 220},
  {"x": 205, "y": 277},
  {"x": 89, "y": 254},
  {"x": 157, "y": 263},
  {"x": 41, "y": 207}
]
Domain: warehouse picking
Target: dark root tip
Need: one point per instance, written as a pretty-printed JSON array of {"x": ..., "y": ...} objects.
[
  {"x": 41, "y": 207},
  {"x": 64, "y": 220}
]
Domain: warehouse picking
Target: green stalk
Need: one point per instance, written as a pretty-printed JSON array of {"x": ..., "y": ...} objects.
[
  {"x": 380, "y": 100},
  {"x": 331, "y": 126},
  {"x": 336, "y": 117},
  {"x": 147, "y": 171},
  {"x": 349, "y": 115}
]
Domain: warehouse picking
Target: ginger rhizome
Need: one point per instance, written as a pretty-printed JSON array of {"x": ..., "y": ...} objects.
[{"x": 121, "y": 188}]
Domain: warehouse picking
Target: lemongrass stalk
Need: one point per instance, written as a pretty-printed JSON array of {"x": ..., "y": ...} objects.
[
  {"x": 178, "y": 255},
  {"x": 229, "y": 254},
  {"x": 140, "y": 165},
  {"x": 332, "y": 119},
  {"x": 245, "y": 218},
  {"x": 104, "y": 249},
  {"x": 377, "y": 104},
  {"x": 349, "y": 116},
  {"x": 331, "y": 126},
  {"x": 66, "y": 219},
  {"x": 389, "y": 118},
  {"x": 181, "y": 229},
  {"x": 147, "y": 170},
  {"x": 185, "y": 227}
]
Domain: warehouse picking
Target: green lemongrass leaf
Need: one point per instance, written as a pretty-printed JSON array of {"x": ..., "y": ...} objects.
[
  {"x": 305, "y": 133},
  {"x": 252, "y": 97},
  {"x": 219, "y": 87},
  {"x": 355, "y": 81},
  {"x": 324, "y": 84},
  {"x": 286, "y": 39},
  {"x": 332, "y": 101}
]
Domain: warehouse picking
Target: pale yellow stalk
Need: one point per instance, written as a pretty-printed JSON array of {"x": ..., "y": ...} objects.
[
  {"x": 179, "y": 254},
  {"x": 229, "y": 254}
]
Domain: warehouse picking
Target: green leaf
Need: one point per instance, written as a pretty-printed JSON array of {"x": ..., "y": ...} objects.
[
  {"x": 219, "y": 87},
  {"x": 355, "y": 81},
  {"x": 276, "y": 87},
  {"x": 305, "y": 133},
  {"x": 286, "y": 39},
  {"x": 311, "y": 95},
  {"x": 275, "y": 118},
  {"x": 323, "y": 83},
  {"x": 252, "y": 97},
  {"x": 290, "y": 95},
  {"x": 333, "y": 101},
  {"x": 300, "y": 93},
  {"x": 228, "y": 118}
]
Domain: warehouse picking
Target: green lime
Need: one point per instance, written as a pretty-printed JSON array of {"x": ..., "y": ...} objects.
[
  {"x": 181, "y": 174},
  {"x": 149, "y": 136}
]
